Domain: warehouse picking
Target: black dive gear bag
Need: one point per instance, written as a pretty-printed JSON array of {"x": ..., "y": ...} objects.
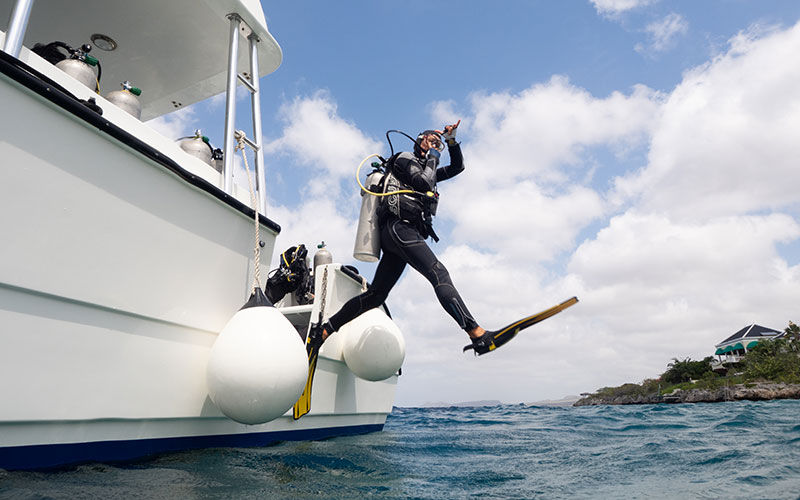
[{"x": 292, "y": 275}]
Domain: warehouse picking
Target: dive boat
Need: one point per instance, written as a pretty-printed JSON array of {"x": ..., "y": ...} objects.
[{"x": 124, "y": 256}]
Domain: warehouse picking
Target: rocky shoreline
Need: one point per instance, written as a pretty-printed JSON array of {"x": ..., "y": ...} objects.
[{"x": 752, "y": 392}]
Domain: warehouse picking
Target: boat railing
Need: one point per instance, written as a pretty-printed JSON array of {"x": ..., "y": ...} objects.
[{"x": 17, "y": 24}]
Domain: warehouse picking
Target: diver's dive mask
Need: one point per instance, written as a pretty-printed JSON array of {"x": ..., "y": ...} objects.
[{"x": 434, "y": 140}]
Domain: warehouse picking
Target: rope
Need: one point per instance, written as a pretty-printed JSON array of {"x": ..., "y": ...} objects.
[
  {"x": 239, "y": 136},
  {"x": 324, "y": 295}
]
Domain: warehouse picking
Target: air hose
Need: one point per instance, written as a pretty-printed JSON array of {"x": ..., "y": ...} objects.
[{"x": 429, "y": 194}]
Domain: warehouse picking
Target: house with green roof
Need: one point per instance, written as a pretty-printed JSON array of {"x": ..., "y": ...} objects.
[{"x": 733, "y": 348}]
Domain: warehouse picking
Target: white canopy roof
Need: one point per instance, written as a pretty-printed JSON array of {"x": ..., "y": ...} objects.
[{"x": 176, "y": 51}]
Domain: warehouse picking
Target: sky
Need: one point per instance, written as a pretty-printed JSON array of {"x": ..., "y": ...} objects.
[{"x": 637, "y": 154}]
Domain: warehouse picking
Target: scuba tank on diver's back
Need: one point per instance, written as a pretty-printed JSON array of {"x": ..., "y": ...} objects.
[
  {"x": 383, "y": 191},
  {"x": 368, "y": 239}
]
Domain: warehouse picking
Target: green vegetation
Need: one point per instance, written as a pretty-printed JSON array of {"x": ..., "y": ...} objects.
[
  {"x": 778, "y": 361},
  {"x": 687, "y": 370},
  {"x": 772, "y": 361}
]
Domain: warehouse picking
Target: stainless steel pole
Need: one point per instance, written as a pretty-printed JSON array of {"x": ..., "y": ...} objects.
[
  {"x": 17, "y": 24},
  {"x": 255, "y": 100},
  {"x": 230, "y": 104}
]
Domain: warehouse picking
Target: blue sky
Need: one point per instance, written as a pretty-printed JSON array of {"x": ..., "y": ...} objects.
[{"x": 637, "y": 153}]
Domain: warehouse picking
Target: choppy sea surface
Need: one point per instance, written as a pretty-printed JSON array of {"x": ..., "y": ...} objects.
[{"x": 747, "y": 450}]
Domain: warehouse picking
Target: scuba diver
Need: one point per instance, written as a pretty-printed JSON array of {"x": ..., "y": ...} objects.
[
  {"x": 405, "y": 222},
  {"x": 405, "y": 214}
]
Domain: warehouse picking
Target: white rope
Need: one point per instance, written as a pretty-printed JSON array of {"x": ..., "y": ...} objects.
[
  {"x": 324, "y": 295},
  {"x": 239, "y": 136}
]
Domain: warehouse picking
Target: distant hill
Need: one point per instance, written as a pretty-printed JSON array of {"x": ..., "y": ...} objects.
[
  {"x": 565, "y": 401},
  {"x": 442, "y": 404}
]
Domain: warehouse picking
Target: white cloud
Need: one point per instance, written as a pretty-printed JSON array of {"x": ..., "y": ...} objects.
[
  {"x": 317, "y": 219},
  {"x": 662, "y": 34},
  {"x": 726, "y": 143},
  {"x": 180, "y": 123},
  {"x": 317, "y": 137},
  {"x": 612, "y": 7},
  {"x": 675, "y": 289},
  {"x": 324, "y": 150},
  {"x": 524, "y": 153},
  {"x": 536, "y": 133}
]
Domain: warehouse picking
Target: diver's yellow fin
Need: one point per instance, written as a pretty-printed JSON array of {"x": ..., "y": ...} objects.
[
  {"x": 313, "y": 345},
  {"x": 494, "y": 339},
  {"x": 303, "y": 405}
]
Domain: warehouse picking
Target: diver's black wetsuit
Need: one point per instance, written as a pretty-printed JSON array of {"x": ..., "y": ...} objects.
[{"x": 403, "y": 232}]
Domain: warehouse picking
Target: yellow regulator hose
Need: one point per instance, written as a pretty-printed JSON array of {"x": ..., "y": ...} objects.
[{"x": 358, "y": 179}]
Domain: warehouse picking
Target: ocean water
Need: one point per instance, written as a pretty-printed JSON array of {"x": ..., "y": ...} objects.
[{"x": 746, "y": 450}]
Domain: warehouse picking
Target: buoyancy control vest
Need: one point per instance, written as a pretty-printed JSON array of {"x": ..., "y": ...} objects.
[{"x": 416, "y": 208}]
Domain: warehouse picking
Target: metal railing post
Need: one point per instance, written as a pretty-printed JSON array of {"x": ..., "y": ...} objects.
[
  {"x": 230, "y": 104},
  {"x": 255, "y": 101},
  {"x": 17, "y": 24}
]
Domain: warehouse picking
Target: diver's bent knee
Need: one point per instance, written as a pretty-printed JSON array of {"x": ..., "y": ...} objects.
[{"x": 373, "y": 298}]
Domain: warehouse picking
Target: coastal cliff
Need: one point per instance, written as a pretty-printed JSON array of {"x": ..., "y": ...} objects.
[{"x": 749, "y": 391}]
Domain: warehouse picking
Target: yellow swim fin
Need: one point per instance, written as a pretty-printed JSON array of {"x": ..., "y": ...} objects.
[
  {"x": 491, "y": 340},
  {"x": 313, "y": 345}
]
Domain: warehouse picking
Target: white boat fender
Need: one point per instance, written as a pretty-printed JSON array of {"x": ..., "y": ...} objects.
[
  {"x": 373, "y": 346},
  {"x": 258, "y": 364}
]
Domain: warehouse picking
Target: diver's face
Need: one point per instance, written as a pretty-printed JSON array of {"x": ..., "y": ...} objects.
[{"x": 430, "y": 141}]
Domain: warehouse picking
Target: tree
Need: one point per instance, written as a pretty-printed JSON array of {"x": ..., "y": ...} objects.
[
  {"x": 774, "y": 360},
  {"x": 686, "y": 370},
  {"x": 793, "y": 334}
]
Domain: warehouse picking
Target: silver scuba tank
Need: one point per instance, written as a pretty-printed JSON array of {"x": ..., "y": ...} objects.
[
  {"x": 368, "y": 237},
  {"x": 80, "y": 66},
  {"x": 79, "y": 70},
  {"x": 127, "y": 99},
  {"x": 322, "y": 257},
  {"x": 198, "y": 146}
]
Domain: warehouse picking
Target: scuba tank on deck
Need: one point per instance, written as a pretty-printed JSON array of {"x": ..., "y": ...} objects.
[
  {"x": 200, "y": 147},
  {"x": 322, "y": 257},
  {"x": 80, "y": 65},
  {"x": 127, "y": 99}
]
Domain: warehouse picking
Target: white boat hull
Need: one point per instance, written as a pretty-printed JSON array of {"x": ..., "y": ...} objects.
[{"x": 116, "y": 276}]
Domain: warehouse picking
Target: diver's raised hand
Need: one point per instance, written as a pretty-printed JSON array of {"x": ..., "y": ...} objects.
[{"x": 449, "y": 133}]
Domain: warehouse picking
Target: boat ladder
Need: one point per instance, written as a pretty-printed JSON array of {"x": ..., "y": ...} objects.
[{"x": 250, "y": 82}]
